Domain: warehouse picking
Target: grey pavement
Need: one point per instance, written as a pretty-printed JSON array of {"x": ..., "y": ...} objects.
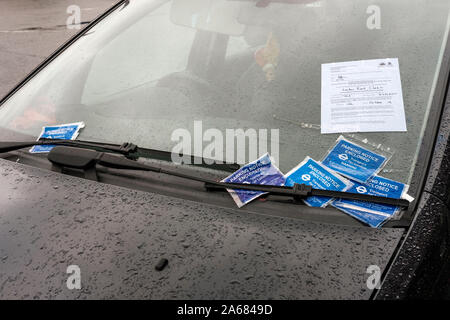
[{"x": 30, "y": 30}]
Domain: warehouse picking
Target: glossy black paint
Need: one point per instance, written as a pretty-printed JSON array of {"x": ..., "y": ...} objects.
[
  {"x": 421, "y": 268},
  {"x": 117, "y": 236}
]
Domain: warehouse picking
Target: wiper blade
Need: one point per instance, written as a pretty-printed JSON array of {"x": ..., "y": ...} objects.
[
  {"x": 127, "y": 149},
  {"x": 299, "y": 191},
  {"x": 88, "y": 159}
]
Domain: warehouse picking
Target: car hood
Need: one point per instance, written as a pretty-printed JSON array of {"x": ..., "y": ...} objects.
[{"x": 116, "y": 236}]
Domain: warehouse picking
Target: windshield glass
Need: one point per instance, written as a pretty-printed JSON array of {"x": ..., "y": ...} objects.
[{"x": 153, "y": 70}]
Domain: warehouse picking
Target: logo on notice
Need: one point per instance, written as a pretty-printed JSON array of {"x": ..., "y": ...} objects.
[
  {"x": 343, "y": 156},
  {"x": 306, "y": 177},
  {"x": 361, "y": 189}
]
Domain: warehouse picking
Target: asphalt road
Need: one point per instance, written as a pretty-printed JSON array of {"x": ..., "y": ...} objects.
[{"x": 30, "y": 30}]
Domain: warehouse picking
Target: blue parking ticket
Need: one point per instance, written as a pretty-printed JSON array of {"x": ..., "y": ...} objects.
[
  {"x": 64, "y": 131},
  {"x": 370, "y": 211},
  {"x": 313, "y": 173},
  {"x": 260, "y": 171},
  {"x": 373, "y": 220},
  {"x": 354, "y": 161}
]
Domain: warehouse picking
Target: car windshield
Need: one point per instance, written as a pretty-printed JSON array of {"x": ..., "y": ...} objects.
[{"x": 152, "y": 71}]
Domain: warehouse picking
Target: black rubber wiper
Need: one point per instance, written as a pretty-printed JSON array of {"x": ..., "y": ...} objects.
[
  {"x": 127, "y": 149},
  {"x": 84, "y": 159}
]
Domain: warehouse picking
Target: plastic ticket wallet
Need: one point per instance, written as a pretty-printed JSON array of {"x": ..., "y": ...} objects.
[
  {"x": 373, "y": 220},
  {"x": 374, "y": 214},
  {"x": 260, "y": 171},
  {"x": 68, "y": 131},
  {"x": 313, "y": 173},
  {"x": 354, "y": 161}
]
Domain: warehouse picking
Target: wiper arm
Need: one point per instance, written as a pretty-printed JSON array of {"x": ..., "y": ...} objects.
[
  {"x": 127, "y": 149},
  {"x": 87, "y": 160}
]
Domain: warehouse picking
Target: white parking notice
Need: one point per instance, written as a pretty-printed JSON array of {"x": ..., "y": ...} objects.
[{"x": 362, "y": 96}]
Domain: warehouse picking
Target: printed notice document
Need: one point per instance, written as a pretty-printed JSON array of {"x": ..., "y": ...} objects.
[{"x": 362, "y": 96}]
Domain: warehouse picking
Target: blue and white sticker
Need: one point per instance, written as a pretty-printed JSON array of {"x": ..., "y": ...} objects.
[
  {"x": 368, "y": 211},
  {"x": 260, "y": 171},
  {"x": 316, "y": 175},
  {"x": 354, "y": 161},
  {"x": 373, "y": 220},
  {"x": 68, "y": 131}
]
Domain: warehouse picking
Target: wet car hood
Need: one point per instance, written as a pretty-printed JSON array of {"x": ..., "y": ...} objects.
[{"x": 116, "y": 236}]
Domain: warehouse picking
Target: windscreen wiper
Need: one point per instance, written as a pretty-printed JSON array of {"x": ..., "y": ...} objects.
[
  {"x": 127, "y": 149},
  {"x": 85, "y": 159}
]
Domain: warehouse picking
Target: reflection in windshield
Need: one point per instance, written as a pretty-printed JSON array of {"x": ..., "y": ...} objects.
[{"x": 150, "y": 69}]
